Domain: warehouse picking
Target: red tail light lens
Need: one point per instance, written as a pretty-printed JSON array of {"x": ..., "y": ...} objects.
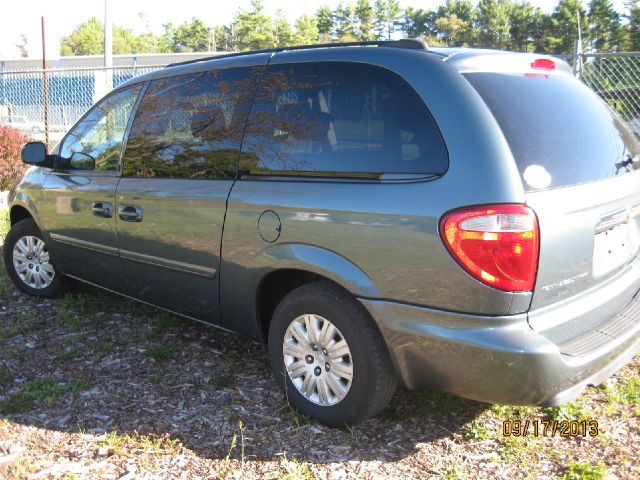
[
  {"x": 543, "y": 64},
  {"x": 498, "y": 244}
]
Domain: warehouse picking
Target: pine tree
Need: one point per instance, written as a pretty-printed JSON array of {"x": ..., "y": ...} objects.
[
  {"x": 603, "y": 25},
  {"x": 492, "y": 24}
]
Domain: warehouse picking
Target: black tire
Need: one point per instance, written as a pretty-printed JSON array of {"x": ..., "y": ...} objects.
[
  {"x": 28, "y": 228},
  {"x": 373, "y": 382}
]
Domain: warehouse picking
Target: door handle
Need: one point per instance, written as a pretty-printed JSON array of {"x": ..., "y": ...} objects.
[
  {"x": 130, "y": 213},
  {"x": 102, "y": 209}
]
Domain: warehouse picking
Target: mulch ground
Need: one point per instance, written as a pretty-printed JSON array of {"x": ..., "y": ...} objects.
[{"x": 94, "y": 386}]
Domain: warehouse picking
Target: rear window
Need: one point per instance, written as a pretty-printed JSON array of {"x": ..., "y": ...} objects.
[{"x": 559, "y": 131}]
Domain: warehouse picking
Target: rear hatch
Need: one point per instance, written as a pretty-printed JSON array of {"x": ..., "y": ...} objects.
[{"x": 578, "y": 165}]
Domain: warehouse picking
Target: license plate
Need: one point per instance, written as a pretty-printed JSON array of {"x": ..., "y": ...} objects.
[{"x": 613, "y": 248}]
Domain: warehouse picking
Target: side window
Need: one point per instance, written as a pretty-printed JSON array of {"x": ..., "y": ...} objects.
[
  {"x": 99, "y": 134},
  {"x": 191, "y": 126},
  {"x": 337, "y": 117}
]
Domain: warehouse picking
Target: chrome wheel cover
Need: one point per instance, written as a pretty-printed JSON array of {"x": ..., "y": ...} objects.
[
  {"x": 318, "y": 359},
  {"x": 32, "y": 263}
]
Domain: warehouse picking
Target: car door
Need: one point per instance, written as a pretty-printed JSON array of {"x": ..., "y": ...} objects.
[
  {"x": 79, "y": 194},
  {"x": 179, "y": 166}
]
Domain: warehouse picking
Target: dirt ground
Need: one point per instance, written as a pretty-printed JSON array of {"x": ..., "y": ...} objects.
[{"x": 96, "y": 387}]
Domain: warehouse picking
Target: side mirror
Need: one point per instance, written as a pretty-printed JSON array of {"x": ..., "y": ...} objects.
[
  {"x": 35, "y": 153},
  {"x": 82, "y": 161}
]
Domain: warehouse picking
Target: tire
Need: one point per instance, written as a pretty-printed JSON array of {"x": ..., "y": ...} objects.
[
  {"x": 342, "y": 390},
  {"x": 26, "y": 258}
]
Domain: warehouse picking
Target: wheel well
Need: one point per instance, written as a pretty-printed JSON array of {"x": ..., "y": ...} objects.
[
  {"x": 273, "y": 289},
  {"x": 18, "y": 213}
]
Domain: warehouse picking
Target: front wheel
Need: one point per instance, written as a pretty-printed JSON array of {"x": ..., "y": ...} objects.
[
  {"x": 328, "y": 355},
  {"x": 26, "y": 258}
]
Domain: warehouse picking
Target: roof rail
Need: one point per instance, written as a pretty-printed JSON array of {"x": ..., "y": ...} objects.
[{"x": 409, "y": 43}]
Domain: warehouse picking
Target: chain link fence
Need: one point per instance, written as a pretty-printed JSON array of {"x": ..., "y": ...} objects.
[
  {"x": 616, "y": 78},
  {"x": 69, "y": 92}
]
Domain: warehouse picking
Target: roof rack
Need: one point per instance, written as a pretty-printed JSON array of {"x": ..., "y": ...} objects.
[{"x": 408, "y": 43}]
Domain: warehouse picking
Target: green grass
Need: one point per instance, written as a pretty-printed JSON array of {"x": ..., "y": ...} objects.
[
  {"x": 223, "y": 381},
  {"x": 151, "y": 443},
  {"x": 6, "y": 377},
  {"x": 44, "y": 389},
  {"x": 83, "y": 302},
  {"x": 168, "y": 321},
  {"x": 69, "y": 319},
  {"x": 295, "y": 469},
  {"x": 566, "y": 412},
  {"x": 627, "y": 391},
  {"x": 10, "y": 329},
  {"x": 4, "y": 224},
  {"x": 584, "y": 471},
  {"x": 4, "y": 280},
  {"x": 160, "y": 353},
  {"x": 475, "y": 431},
  {"x": 453, "y": 472}
]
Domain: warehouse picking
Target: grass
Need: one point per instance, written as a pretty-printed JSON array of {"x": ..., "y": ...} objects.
[
  {"x": 84, "y": 302},
  {"x": 160, "y": 353},
  {"x": 626, "y": 391},
  {"x": 295, "y": 469},
  {"x": 584, "y": 471},
  {"x": 168, "y": 321},
  {"x": 223, "y": 381},
  {"x": 5, "y": 225},
  {"x": 4, "y": 277},
  {"x": 453, "y": 472},
  {"x": 6, "y": 377},
  {"x": 566, "y": 412},
  {"x": 151, "y": 443},
  {"x": 19, "y": 470},
  {"x": 475, "y": 431},
  {"x": 44, "y": 389}
]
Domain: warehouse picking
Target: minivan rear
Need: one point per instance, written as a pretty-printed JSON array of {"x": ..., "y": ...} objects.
[{"x": 578, "y": 163}]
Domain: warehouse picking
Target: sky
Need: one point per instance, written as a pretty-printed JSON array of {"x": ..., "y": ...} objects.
[{"x": 62, "y": 16}]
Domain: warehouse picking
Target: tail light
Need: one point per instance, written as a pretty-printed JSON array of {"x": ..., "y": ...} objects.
[
  {"x": 543, "y": 64},
  {"x": 498, "y": 244}
]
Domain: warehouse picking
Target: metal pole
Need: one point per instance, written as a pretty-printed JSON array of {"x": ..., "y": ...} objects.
[
  {"x": 577, "y": 51},
  {"x": 108, "y": 46},
  {"x": 45, "y": 87}
]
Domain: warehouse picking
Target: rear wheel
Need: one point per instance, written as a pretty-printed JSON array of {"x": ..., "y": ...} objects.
[
  {"x": 328, "y": 355},
  {"x": 26, "y": 258}
]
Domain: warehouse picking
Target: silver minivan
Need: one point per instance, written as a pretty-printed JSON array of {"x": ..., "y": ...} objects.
[{"x": 455, "y": 219}]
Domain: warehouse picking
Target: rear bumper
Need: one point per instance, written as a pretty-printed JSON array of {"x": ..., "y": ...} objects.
[{"x": 499, "y": 359}]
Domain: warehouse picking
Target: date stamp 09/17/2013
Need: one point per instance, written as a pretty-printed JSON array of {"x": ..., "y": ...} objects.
[{"x": 550, "y": 428}]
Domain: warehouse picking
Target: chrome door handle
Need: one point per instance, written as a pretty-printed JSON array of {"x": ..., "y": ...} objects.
[
  {"x": 130, "y": 213},
  {"x": 102, "y": 209}
]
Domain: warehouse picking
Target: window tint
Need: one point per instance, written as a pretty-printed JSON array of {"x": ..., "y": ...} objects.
[
  {"x": 99, "y": 134},
  {"x": 190, "y": 126},
  {"x": 559, "y": 131},
  {"x": 340, "y": 118}
]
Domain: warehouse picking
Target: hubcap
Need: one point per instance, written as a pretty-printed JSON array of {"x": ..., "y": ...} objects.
[
  {"x": 32, "y": 263},
  {"x": 318, "y": 359}
]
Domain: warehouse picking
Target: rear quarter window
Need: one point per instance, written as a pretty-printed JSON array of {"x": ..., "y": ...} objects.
[
  {"x": 559, "y": 131},
  {"x": 340, "y": 118}
]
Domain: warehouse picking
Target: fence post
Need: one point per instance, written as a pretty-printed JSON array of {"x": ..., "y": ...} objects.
[
  {"x": 577, "y": 58},
  {"x": 45, "y": 89}
]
